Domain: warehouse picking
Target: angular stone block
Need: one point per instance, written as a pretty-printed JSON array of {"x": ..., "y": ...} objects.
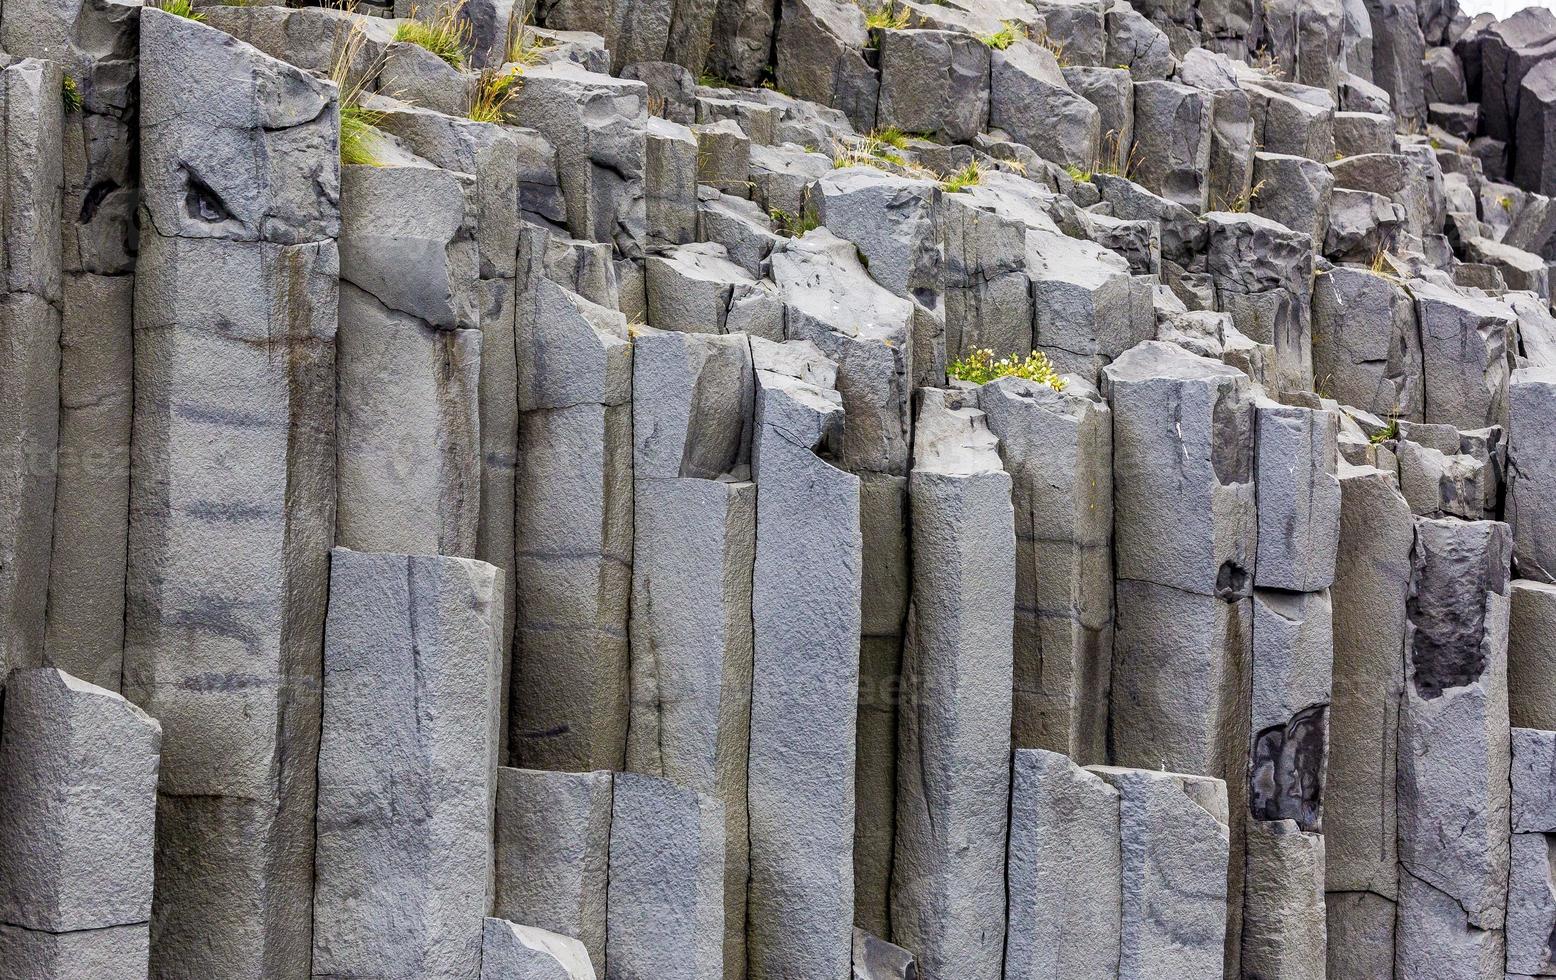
[
  {"x": 552, "y": 843},
  {"x": 805, "y": 672},
  {"x": 1172, "y": 142},
  {"x": 1464, "y": 352},
  {"x": 819, "y": 56},
  {"x": 934, "y": 82},
  {"x": 1031, "y": 99},
  {"x": 877, "y": 959},
  {"x": 1064, "y": 874},
  {"x": 1263, "y": 273},
  {"x": 1366, "y": 351},
  {"x": 666, "y": 912},
  {"x": 1299, "y": 497},
  {"x": 412, "y": 663},
  {"x": 1531, "y": 501},
  {"x": 954, "y": 725},
  {"x": 1531, "y": 655},
  {"x": 1284, "y": 923}
]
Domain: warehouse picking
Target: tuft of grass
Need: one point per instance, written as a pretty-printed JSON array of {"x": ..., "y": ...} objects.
[
  {"x": 1009, "y": 33},
  {"x": 359, "y": 135},
  {"x": 884, "y": 18},
  {"x": 1505, "y": 203},
  {"x": 1386, "y": 434},
  {"x": 1242, "y": 202},
  {"x": 890, "y": 136},
  {"x": 792, "y": 225},
  {"x": 445, "y": 34},
  {"x": 179, "y": 8},
  {"x": 492, "y": 89},
  {"x": 524, "y": 45},
  {"x": 70, "y": 92},
  {"x": 1079, "y": 175},
  {"x": 710, "y": 80},
  {"x": 981, "y": 367},
  {"x": 969, "y": 176},
  {"x": 867, "y": 151},
  {"x": 1055, "y": 47}
]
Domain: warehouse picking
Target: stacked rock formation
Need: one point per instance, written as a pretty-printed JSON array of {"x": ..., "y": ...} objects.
[{"x": 777, "y": 489}]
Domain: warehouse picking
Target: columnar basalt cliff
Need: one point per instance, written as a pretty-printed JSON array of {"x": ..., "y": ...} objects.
[{"x": 777, "y": 489}]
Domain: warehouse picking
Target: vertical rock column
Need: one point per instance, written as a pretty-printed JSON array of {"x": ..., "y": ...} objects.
[
  {"x": 1058, "y": 448},
  {"x": 953, "y": 773},
  {"x": 78, "y": 800},
  {"x": 232, "y": 489},
  {"x": 1531, "y": 893},
  {"x": 408, "y": 362},
  {"x": 1372, "y": 580},
  {"x": 407, "y": 766},
  {"x": 30, "y": 299},
  {"x": 1454, "y": 753},
  {"x": 573, "y": 534},
  {"x": 1185, "y": 532},
  {"x": 805, "y": 672},
  {"x": 1531, "y": 500},
  {"x": 96, "y": 44},
  {"x": 694, "y": 540}
]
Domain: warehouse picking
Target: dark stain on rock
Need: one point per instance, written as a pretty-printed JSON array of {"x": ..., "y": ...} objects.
[{"x": 1286, "y": 773}]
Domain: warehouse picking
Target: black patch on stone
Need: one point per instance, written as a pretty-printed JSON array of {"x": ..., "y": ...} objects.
[
  {"x": 1447, "y": 605},
  {"x": 203, "y": 203},
  {"x": 1286, "y": 773},
  {"x": 1233, "y": 582}
]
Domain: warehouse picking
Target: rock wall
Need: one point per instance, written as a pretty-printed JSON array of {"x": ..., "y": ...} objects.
[{"x": 777, "y": 489}]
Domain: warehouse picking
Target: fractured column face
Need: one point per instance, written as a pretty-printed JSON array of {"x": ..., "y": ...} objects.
[
  {"x": 1531, "y": 502},
  {"x": 1366, "y": 351},
  {"x": 805, "y": 673},
  {"x": 1263, "y": 275},
  {"x": 407, "y": 765},
  {"x": 408, "y": 361},
  {"x": 1058, "y": 448},
  {"x": 1173, "y": 846},
  {"x": 552, "y": 841},
  {"x": 78, "y": 799},
  {"x": 232, "y": 501},
  {"x": 1531, "y": 655},
  {"x": 953, "y": 748},
  {"x": 30, "y": 341},
  {"x": 1064, "y": 874},
  {"x": 1372, "y": 581},
  {"x": 513, "y": 952},
  {"x": 573, "y": 533},
  {"x": 1464, "y": 352},
  {"x": 666, "y": 913},
  {"x": 1531, "y": 894},
  {"x": 694, "y": 522},
  {"x": 1299, "y": 497},
  {"x": 1453, "y": 752}
]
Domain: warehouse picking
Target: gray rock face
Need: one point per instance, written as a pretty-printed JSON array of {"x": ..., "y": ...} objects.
[
  {"x": 232, "y": 491},
  {"x": 988, "y": 295},
  {"x": 1057, "y": 447},
  {"x": 515, "y": 952},
  {"x": 1299, "y": 498},
  {"x": 1172, "y": 859},
  {"x": 1398, "y": 48},
  {"x": 953, "y": 782},
  {"x": 1531, "y": 655},
  {"x": 1453, "y": 747},
  {"x": 820, "y": 57},
  {"x": 877, "y": 959},
  {"x": 573, "y": 533},
  {"x": 1172, "y": 142},
  {"x": 1293, "y": 191},
  {"x": 1064, "y": 873},
  {"x": 805, "y": 615},
  {"x": 1366, "y": 350},
  {"x": 666, "y": 916},
  {"x": 552, "y": 841},
  {"x": 1464, "y": 354},
  {"x": 1031, "y": 98},
  {"x": 934, "y": 82},
  {"x": 1531, "y": 444},
  {"x": 1263, "y": 275},
  {"x": 78, "y": 779},
  {"x": 411, "y": 660}
]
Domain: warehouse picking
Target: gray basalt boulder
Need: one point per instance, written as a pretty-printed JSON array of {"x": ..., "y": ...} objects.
[
  {"x": 1536, "y": 127},
  {"x": 1521, "y": 270},
  {"x": 723, "y": 156},
  {"x": 1361, "y": 225},
  {"x": 1292, "y": 191},
  {"x": 1453, "y": 749},
  {"x": 1398, "y": 47},
  {"x": 1531, "y": 655},
  {"x": 1306, "y": 39},
  {"x": 1299, "y": 497},
  {"x": 670, "y": 183},
  {"x": 1172, "y": 142},
  {"x": 1064, "y": 871},
  {"x": 1077, "y": 25},
  {"x": 412, "y": 659},
  {"x": 820, "y": 49},
  {"x": 1366, "y": 351},
  {"x": 1138, "y": 44},
  {"x": 876, "y": 959},
  {"x": 742, "y": 39},
  {"x": 1263, "y": 275},
  {"x": 666, "y": 911},
  {"x": 696, "y": 289},
  {"x": 947, "y": 903},
  {"x": 514, "y": 952},
  {"x": 805, "y": 674},
  {"x": 1032, "y": 99},
  {"x": 988, "y": 302},
  {"x": 598, "y": 126},
  {"x": 1293, "y": 119},
  {"x": 1363, "y": 132},
  {"x": 551, "y": 838},
  {"x": 78, "y": 783},
  {"x": 934, "y": 82},
  {"x": 1508, "y": 50},
  {"x": 1464, "y": 355},
  {"x": 1531, "y": 910}
]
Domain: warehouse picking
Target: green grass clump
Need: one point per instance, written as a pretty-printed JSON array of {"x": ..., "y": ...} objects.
[
  {"x": 891, "y": 136},
  {"x": 883, "y": 18},
  {"x": 359, "y": 136},
  {"x": 445, "y": 34},
  {"x": 491, "y": 92},
  {"x": 71, "y": 93},
  {"x": 179, "y": 8},
  {"x": 792, "y": 225},
  {"x": 969, "y": 176},
  {"x": 1385, "y": 435},
  {"x": 1008, "y": 34},
  {"x": 980, "y": 367}
]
